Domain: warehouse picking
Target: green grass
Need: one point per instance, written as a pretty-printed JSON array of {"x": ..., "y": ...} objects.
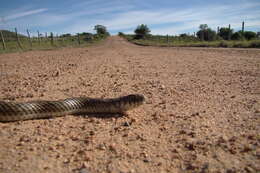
[
  {"x": 174, "y": 41},
  {"x": 45, "y": 44}
]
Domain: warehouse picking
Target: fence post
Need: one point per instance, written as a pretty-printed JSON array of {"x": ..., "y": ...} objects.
[
  {"x": 46, "y": 36},
  {"x": 29, "y": 37},
  {"x": 229, "y": 32},
  {"x": 52, "y": 42},
  {"x": 17, "y": 38},
  {"x": 78, "y": 39},
  {"x": 167, "y": 39},
  {"x": 243, "y": 26},
  {"x": 3, "y": 40},
  {"x": 39, "y": 39}
]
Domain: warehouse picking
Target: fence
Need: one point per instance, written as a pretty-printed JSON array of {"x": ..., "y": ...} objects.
[{"x": 13, "y": 40}]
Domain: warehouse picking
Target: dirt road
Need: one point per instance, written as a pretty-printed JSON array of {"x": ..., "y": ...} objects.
[{"x": 201, "y": 112}]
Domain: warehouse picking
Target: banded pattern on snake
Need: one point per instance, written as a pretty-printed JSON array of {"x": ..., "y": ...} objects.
[{"x": 15, "y": 111}]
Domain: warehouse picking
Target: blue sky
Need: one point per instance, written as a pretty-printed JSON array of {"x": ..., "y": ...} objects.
[{"x": 162, "y": 17}]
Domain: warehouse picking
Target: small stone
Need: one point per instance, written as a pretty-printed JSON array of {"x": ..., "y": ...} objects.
[
  {"x": 249, "y": 169},
  {"x": 56, "y": 74},
  {"x": 190, "y": 145},
  {"x": 146, "y": 160},
  {"x": 162, "y": 87},
  {"x": 92, "y": 133},
  {"x": 223, "y": 139},
  {"x": 247, "y": 148},
  {"x": 66, "y": 161},
  {"x": 126, "y": 124},
  {"x": 182, "y": 132},
  {"x": 101, "y": 147},
  {"x": 112, "y": 147},
  {"x": 29, "y": 95},
  {"x": 83, "y": 170},
  {"x": 195, "y": 114}
]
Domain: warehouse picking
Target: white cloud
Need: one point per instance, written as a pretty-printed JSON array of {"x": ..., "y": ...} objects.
[
  {"x": 169, "y": 21},
  {"x": 119, "y": 16},
  {"x": 25, "y": 13}
]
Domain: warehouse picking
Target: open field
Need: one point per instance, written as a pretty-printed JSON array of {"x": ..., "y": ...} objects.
[
  {"x": 172, "y": 41},
  {"x": 47, "y": 44},
  {"x": 202, "y": 110}
]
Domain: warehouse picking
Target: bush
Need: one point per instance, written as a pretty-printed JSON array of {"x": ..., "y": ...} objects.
[
  {"x": 88, "y": 36},
  {"x": 249, "y": 35},
  {"x": 121, "y": 34},
  {"x": 66, "y": 35},
  {"x": 142, "y": 31},
  {"x": 224, "y": 33},
  {"x": 223, "y": 44},
  {"x": 207, "y": 35},
  {"x": 183, "y": 35},
  {"x": 101, "y": 30},
  {"x": 239, "y": 45},
  {"x": 255, "y": 44},
  {"x": 237, "y": 36}
]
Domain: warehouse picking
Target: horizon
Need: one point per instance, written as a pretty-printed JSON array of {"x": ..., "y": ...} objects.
[{"x": 166, "y": 17}]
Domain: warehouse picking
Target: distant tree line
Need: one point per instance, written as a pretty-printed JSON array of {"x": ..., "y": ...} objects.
[
  {"x": 204, "y": 34},
  {"x": 101, "y": 32},
  {"x": 225, "y": 33}
]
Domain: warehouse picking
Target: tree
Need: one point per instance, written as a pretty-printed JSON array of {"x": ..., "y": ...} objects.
[
  {"x": 249, "y": 35},
  {"x": 183, "y": 35},
  {"x": 237, "y": 36},
  {"x": 205, "y": 33},
  {"x": 142, "y": 31},
  {"x": 224, "y": 33},
  {"x": 66, "y": 35},
  {"x": 87, "y": 36},
  {"x": 101, "y": 30},
  {"x": 121, "y": 34},
  {"x": 258, "y": 34},
  {"x": 203, "y": 26}
]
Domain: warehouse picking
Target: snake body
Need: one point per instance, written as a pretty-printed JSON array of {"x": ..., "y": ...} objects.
[{"x": 16, "y": 111}]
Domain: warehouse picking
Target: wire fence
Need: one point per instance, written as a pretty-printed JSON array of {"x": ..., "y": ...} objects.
[{"x": 13, "y": 40}]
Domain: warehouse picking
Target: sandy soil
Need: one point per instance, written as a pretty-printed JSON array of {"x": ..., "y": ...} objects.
[{"x": 201, "y": 114}]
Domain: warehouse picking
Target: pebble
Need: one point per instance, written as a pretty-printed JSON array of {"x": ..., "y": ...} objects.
[
  {"x": 83, "y": 170},
  {"x": 29, "y": 95},
  {"x": 126, "y": 124}
]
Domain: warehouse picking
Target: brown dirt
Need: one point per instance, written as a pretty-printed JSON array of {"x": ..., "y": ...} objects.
[{"x": 201, "y": 114}]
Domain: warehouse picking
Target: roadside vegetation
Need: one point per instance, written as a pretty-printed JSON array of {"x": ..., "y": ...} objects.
[
  {"x": 13, "y": 42},
  {"x": 204, "y": 37}
]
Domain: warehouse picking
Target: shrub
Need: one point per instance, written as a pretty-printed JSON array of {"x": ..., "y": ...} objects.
[
  {"x": 101, "y": 30},
  {"x": 207, "y": 34},
  {"x": 224, "y": 33},
  {"x": 237, "y": 36},
  {"x": 255, "y": 44},
  {"x": 223, "y": 44},
  {"x": 121, "y": 34},
  {"x": 88, "y": 36},
  {"x": 142, "y": 31},
  {"x": 239, "y": 45},
  {"x": 183, "y": 35},
  {"x": 249, "y": 35}
]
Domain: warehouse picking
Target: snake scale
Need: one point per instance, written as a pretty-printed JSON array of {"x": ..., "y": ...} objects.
[{"x": 17, "y": 111}]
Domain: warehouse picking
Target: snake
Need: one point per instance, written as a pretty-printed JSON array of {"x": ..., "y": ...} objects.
[{"x": 41, "y": 109}]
